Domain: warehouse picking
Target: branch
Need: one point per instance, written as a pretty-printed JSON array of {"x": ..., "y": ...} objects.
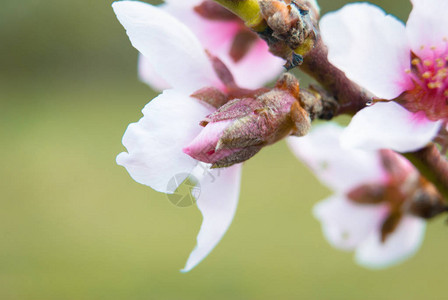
[
  {"x": 432, "y": 165},
  {"x": 350, "y": 96}
]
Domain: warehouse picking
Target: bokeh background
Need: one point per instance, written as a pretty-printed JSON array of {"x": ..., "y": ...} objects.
[{"x": 74, "y": 225}]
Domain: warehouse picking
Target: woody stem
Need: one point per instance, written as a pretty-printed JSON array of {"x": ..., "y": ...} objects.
[
  {"x": 432, "y": 165},
  {"x": 350, "y": 96}
]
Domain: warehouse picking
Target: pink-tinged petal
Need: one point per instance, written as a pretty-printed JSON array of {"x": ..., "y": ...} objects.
[
  {"x": 346, "y": 224},
  {"x": 203, "y": 146},
  {"x": 369, "y": 46},
  {"x": 147, "y": 74},
  {"x": 427, "y": 26},
  {"x": 217, "y": 202},
  {"x": 155, "y": 142},
  {"x": 218, "y": 37},
  {"x": 400, "y": 245},
  {"x": 249, "y": 72},
  {"x": 338, "y": 168},
  {"x": 389, "y": 125},
  {"x": 171, "y": 48}
]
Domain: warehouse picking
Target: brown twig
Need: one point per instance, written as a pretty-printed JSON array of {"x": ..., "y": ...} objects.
[
  {"x": 432, "y": 165},
  {"x": 350, "y": 96}
]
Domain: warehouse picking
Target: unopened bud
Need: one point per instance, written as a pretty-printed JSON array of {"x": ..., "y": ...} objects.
[
  {"x": 291, "y": 31},
  {"x": 242, "y": 126},
  {"x": 426, "y": 201}
]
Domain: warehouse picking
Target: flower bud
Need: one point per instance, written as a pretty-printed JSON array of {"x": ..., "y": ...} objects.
[
  {"x": 242, "y": 126},
  {"x": 291, "y": 31}
]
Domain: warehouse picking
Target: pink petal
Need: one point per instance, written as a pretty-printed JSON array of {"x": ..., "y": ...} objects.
[
  {"x": 399, "y": 246},
  {"x": 340, "y": 169},
  {"x": 389, "y": 125},
  {"x": 203, "y": 146},
  {"x": 427, "y": 26},
  {"x": 217, "y": 202},
  {"x": 217, "y": 37},
  {"x": 155, "y": 142},
  {"x": 257, "y": 68},
  {"x": 369, "y": 46},
  {"x": 171, "y": 48}
]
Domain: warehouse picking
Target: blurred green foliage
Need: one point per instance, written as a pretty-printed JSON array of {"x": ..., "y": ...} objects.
[{"x": 73, "y": 225}]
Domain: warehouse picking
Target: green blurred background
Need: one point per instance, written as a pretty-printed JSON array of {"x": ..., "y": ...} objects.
[{"x": 74, "y": 225}]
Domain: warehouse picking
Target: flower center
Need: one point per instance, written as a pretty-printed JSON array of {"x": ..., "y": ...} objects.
[{"x": 430, "y": 78}]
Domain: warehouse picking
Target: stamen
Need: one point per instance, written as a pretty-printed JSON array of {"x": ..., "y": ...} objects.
[
  {"x": 434, "y": 85},
  {"x": 442, "y": 73},
  {"x": 427, "y": 75}
]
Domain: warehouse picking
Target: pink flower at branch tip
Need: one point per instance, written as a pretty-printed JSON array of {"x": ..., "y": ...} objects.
[
  {"x": 404, "y": 66},
  {"x": 226, "y": 36},
  {"x": 376, "y": 209}
]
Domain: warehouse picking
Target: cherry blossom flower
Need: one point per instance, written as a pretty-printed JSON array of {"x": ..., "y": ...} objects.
[
  {"x": 404, "y": 64},
  {"x": 226, "y": 36},
  {"x": 376, "y": 206},
  {"x": 171, "y": 121}
]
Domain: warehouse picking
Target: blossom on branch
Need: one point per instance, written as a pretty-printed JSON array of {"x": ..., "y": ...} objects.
[
  {"x": 206, "y": 121},
  {"x": 225, "y": 35},
  {"x": 379, "y": 201},
  {"x": 171, "y": 121},
  {"x": 404, "y": 67}
]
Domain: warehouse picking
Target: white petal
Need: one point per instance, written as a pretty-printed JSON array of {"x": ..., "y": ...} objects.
[
  {"x": 217, "y": 202},
  {"x": 155, "y": 142},
  {"x": 340, "y": 169},
  {"x": 217, "y": 37},
  {"x": 369, "y": 46},
  {"x": 399, "y": 246},
  {"x": 428, "y": 26},
  {"x": 147, "y": 74},
  {"x": 346, "y": 224},
  {"x": 389, "y": 125},
  {"x": 171, "y": 48}
]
